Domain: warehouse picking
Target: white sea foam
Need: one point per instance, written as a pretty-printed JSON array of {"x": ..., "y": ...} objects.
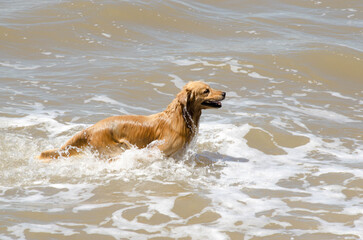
[
  {"x": 102, "y": 98},
  {"x": 320, "y": 113},
  {"x": 247, "y": 176},
  {"x": 237, "y": 69},
  {"x": 196, "y": 69},
  {"x": 19, "y": 229},
  {"x": 162, "y": 93},
  {"x": 121, "y": 106},
  {"x": 179, "y": 83},
  {"x": 252, "y": 32},
  {"x": 46, "y": 53},
  {"x": 106, "y": 35},
  {"x": 157, "y": 84},
  {"x": 52, "y": 126},
  {"x": 299, "y": 94},
  {"x": 206, "y": 63},
  {"x": 88, "y": 207},
  {"x": 339, "y": 95},
  {"x": 236, "y": 181},
  {"x": 19, "y": 66},
  {"x": 184, "y": 62},
  {"x": 259, "y": 76}
]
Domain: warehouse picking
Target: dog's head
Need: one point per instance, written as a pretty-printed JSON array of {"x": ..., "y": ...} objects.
[{"x": 199, "y": 95}]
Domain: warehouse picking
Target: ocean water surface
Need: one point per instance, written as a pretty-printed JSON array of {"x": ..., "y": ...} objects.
[{"x": 282, "y": 159}]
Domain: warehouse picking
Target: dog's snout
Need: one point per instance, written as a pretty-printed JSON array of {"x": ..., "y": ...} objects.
[{"x": 223, "y": 94}]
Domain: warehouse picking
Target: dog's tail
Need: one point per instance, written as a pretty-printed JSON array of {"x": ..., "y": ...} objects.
[
  {"x": 71, "y": 147},
  {"x": 49, "y": 154}
]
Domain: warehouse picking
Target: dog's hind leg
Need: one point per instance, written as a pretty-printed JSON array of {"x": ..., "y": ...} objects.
[
  {"x": 70, "y": 148},
  {"x": 111, "y": 151},
  {"x": 124, "y": 144}
]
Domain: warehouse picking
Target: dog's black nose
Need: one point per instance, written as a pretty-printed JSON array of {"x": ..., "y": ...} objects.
[{"x": 223, "y": 94}]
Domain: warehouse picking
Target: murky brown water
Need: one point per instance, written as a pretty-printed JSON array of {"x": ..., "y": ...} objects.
[{"x": 282, "y": 159}]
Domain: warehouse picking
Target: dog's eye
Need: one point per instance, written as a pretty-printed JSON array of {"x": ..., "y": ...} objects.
[{"x": 206, "y": 91}]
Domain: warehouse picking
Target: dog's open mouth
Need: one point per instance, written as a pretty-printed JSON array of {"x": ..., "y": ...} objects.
[{"x": 213, "y": 104}]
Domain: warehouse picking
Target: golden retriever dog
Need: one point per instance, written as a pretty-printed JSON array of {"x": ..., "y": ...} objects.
[{"x": 171, "y": 130}]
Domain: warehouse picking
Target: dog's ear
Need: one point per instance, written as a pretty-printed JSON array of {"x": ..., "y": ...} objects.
[{"x": 184, "y": 96}]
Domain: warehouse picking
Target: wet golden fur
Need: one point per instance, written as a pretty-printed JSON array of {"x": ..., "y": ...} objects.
[{"x": 170, "y": 130}]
